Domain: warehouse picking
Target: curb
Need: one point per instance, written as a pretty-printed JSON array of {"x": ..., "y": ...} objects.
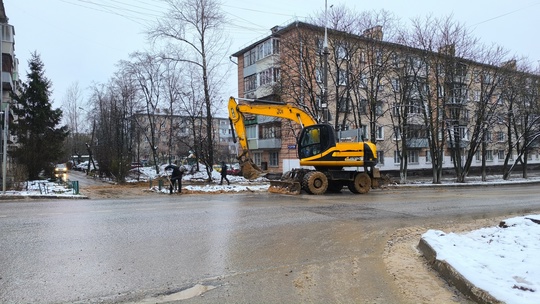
[
  {"x": 454, "y": 278},
  {"x": 464, "y": 185},
  {"x": 30, "y": 197}
]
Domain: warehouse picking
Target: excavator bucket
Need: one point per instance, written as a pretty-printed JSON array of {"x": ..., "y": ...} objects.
[
  {"x": 285, "y": 187},
  {"x": 249, "y": 170}
]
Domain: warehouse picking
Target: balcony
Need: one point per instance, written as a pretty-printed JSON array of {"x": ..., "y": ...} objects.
[
  {"x": 7, "y": 81},
  {"x": 417, "y": 143},
  {"x": 271, "y": 143}
]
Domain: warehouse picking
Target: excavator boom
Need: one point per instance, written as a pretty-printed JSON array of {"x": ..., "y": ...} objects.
[{"x": 280, "y": 110}]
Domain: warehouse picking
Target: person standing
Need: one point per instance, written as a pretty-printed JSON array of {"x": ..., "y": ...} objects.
[
  {"x": 224, "y": 174},
  {"x": 176, "y": 178}
]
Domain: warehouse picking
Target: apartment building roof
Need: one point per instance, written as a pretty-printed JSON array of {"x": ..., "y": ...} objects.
[
  {"x": 3, "y": 17},
  {"x": 280, "y": 30}
]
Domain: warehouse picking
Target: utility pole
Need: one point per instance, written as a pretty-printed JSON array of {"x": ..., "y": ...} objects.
[{"x": 324, "y": 103}]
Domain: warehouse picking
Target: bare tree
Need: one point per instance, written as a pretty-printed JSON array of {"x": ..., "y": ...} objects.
[
  {"x": 71, "y": 104},
  {"x": 194, "y": 29},
  {"x": 522, "y": 95},
  {"x": 147, "y": 72}
]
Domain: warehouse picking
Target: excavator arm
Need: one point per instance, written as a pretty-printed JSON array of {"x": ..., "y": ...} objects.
[{"x": 236, "y": 116}]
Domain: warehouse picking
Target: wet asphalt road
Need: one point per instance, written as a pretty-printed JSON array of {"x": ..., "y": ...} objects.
[{"x": 249, "y": 247}]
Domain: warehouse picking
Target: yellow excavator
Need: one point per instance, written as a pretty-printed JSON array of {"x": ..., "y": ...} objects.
[{"x": 337, "y": 164}]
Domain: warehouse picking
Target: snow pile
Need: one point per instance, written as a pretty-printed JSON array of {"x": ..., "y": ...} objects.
[
  {"x": 196, "y": 182},
  {"x": 149, "y": 173},
  {"x": 500, "y": 260}
]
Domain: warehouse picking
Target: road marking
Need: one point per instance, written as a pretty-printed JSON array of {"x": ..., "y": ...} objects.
[
  {"x": 145, "y": 209},
  {"x": 101, "y": 211},
  {"x": 3, "y": 216}
]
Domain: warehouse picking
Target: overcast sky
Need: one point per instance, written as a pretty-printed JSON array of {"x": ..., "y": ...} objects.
[{"x": 83, "y": 40}]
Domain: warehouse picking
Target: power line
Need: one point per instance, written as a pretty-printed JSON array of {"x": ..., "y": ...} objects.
[{"x": 505, "y": 14}]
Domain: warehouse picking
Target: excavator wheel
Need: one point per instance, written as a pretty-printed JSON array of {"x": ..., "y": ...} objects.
[
  {"x": 315, "y": 182},
  {"x": 361, "y": 184},
  {"x": 335, "y": 186}
]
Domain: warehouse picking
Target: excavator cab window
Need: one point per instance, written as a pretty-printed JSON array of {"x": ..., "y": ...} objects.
[{"x": 315, "y": 140}]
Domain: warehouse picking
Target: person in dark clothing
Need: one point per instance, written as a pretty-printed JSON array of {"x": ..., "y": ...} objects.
[
  {"x": 224, "y": 174},
  {"x": 176, "y": 178}
]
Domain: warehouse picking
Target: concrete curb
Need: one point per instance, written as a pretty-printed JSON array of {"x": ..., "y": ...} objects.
[
  {"x": 454, "y": 278},
  {"x": 31, "y": 197},
  {"x": 474, "y": 184}
]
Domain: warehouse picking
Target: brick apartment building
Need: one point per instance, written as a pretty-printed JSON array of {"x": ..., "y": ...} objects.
[{"x": 372, "y": 85}]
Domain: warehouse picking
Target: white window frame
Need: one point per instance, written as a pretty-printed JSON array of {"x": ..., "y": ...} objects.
[{"x": 380, "y": 133}]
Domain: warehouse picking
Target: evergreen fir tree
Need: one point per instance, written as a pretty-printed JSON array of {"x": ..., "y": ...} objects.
[{"x": 40, "y": 139}]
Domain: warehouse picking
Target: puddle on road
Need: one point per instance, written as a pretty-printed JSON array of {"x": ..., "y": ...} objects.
[{"x": 185, "y": 294}]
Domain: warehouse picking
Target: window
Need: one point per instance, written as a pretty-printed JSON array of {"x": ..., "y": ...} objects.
[
  {"x": 459, "y": 133},
  {"x": 275, "y": 48},
  {"x": 428, "y": 156},
  {"x": 395, "y": 60},
  {"x": 379, "y": 57},
  {"x": 264, "y": 49},
  {"x": 274, "y": 159},
  {"x": 257, "y": 157},
  {"x": 489, "y": 155},
  {"x": 318, "y": 74},
  {"x": 341, "y": 52},
  {"x": 251, "y": 132},
  {"x": 379, "y": 108},
  {"x": 397, "y": 158},
  {"x": 380, "y": 157},
  {"x": 250, "y": 83},
  {"x": 319, "y": 45},
  {"x": 397, "y": 133},
  {"x": 342, "y": 77},
  {"x": 7, "y": 34},
  {"x": 476, "y": 95},
  {"x": 396, "y": 85},
  {"x": 265, "y": 77},
  {"x": 488, "y": 136},
  {"x": 364, "y": 131},
  {"x": 363, "y": 81},
  {"x": 250, "y": 57},
  {"x": 501, "y": 136},
  {"x": 412, "y": 156},
  {"x": 396, "y": 109},
  {"x": 440, "y": 91},
  {"x": 268, "y": 131},
  {"x": 500, "y": 155},
  {"x": 380, "y": 133},
  {"x": 362, "y": 107},
  {"x": 343, "y": 104}
]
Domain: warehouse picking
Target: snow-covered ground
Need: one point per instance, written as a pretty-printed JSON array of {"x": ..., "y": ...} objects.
[
  {"x": 500, "y": 260},
  {"x": 196, "y": 182},
  {"x": 503, "y": 261}
]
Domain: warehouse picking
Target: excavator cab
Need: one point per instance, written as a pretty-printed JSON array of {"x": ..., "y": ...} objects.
[{"x": 315, "y": 140}]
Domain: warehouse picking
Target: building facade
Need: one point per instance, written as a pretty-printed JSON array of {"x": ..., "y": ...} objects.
[
  {"x": 419, "y": 106},
  {"x": 174, "y": 138},
  {"x": 10, "y": 84}
]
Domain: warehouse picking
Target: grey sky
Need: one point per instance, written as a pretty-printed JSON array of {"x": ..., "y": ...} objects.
[{"x": 82, "y": 40}]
